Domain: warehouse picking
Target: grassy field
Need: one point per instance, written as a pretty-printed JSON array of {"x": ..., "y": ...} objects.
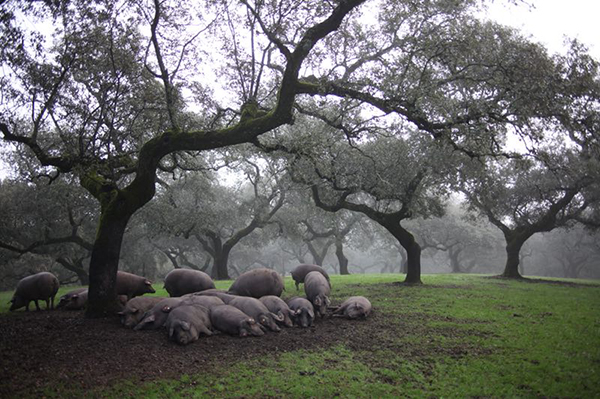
[{"x": 454, "y": 336}]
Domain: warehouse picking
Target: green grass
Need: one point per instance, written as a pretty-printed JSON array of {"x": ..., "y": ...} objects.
[{"x": 455, "y": 336}]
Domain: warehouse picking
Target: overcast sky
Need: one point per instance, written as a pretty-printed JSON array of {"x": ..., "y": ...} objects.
[{"x": 548, "y": 21}]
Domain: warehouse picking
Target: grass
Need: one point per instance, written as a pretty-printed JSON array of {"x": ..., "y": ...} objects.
[{"x": 455, "y": 336}]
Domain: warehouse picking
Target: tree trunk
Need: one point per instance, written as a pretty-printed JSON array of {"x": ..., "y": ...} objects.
[
  {"x": 413, "y": 251},
  {"x": 454, "y": 263},
  {"x": 220, "y": 264},
  {"x": 342, "y": 259},
  {"x": 105, "y": 263},
  {"x": 513, "y": 248}
]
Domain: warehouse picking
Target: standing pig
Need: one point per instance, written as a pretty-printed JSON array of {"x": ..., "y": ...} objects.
[
  {"x": 74, "y": 300},
  {"x": 233, "y": 321},
  {"x": 258, "y": 283},
  {"x": 186, "y": 322},
  {"x": 299, "y": 273},
  {"x": 38, "y": 286},
  {"x": 133, "y": 285},
  {"x": 303, "y": 312},
  {"x": 317, "y": 291},
  {"x": 353, "y": 308},
  {"x": 67, "y": 298},
  {"x": 259, "y": 312},
  {"x": 278, "y": 306},
  {"x": 135, "y": 308},
  {"x": 156, "y": 317},
  {"x": 179, "y": 282}
]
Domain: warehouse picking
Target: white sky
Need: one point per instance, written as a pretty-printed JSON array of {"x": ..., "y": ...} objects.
[{"x": 547, "y": 21}]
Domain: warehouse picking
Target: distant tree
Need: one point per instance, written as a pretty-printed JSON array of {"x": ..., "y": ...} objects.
[
  {"x": 218, "y": 216},
  {"x": 523, "y": 197},
  {"x": 55, "y": 222}
]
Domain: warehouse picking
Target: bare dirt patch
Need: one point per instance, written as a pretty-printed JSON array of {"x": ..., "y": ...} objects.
[{"x": 53, "y": 349}]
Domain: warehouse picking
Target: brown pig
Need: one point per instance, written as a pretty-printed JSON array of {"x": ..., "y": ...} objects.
[
  {"x": 233, "y": 321},
  {"x": 133, "y": 285},
  {"x": 179, "y": 282},
  {"x": 303, "y": 312},
  {"x": 74, "y": 300},
  {"x": 258, "y": 311},
  {"x": 67, "y": 298},
  {"x": 223, "y": 295},
  {"x": 207, "y": 301},
  {"x": 353, "y": 308},
  {"x": 317, "y": 291},
  {"x": 299, "y": 273},
  {"x": 38, "y": 286},
  {"x": 257, "y": 283},
  {"x": 186, "y": 322},
  {"x": 278, "y": 306},
  {"x": 156, "y": 317},
  {"x": 135, "y": 308}
]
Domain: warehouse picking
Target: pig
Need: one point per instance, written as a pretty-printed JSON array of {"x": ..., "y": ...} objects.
[
  {"x": 257, "y": 283},
  {"x": 38, "y": 286},
  {"x": 317, "y": 291},
  {"x": 186, "y": 322},
  {"x": 179, "y": 282},
  {"x": 133, "y": 285},
  {"x": 259, "y": 312},
  {"x": 207, "y": 301},
  {"x": 231, "y": 320},
  {"x": 74, "y": 300},
  {"x": 223, "y": 295},
  {"x": 353, "y": 308},
  {"x": 66, "y": 299},
  {"x": 156, "y": 317},
  {"x": 135, "y": 308},
  {"x": 300, "y": 272},
  {"x": 303, "y": 312},
  {"x": 278, "y": 306}
]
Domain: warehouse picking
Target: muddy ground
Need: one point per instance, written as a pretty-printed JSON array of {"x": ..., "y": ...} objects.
[{"x": 58, "y": 348}]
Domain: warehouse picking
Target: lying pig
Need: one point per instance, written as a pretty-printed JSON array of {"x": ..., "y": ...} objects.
[
  {"x": 222, "y": 295},
  {"x": 353, "y": 308},
  {"x": 258, "y": 311},
  {"x": 303, "y": 312},
  {"x": 135, "y": 308},
  {"x": 299, "y": 273},
  {"x": 74, "y": 300},
  {"x": 179, "y": 282},
  {"x": 208, "y": 302},
  {"x": 156, "y": 317},
  {"x": 133, "y": 285},
  {"x": 67, "y": 298},
  {"x": 317, "y": 291},
  {"x": 38, "y": 286},
  {"x": 258, "y": 283},
  {"x": 186, "y": 322},
  {"x": 278, "y": 306},
  {"x": 231, "y": 320}
]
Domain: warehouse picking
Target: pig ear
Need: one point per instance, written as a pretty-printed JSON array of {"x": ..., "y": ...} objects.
[
  {"x": 317, "y": 301},
  {"x": 75, "y": 296},
  {"x": 327, "y": 301},
  {"x": 185, "y": 326},
  {"x": 311, "y": 313},
  {"x": 243, "y": 333},
  {"x": 147, "y": 282}
]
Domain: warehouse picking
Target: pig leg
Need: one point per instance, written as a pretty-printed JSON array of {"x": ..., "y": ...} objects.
[
  {"x": 203, "y": 329},
  {"x": 37, "y": 305},
  {"x": 297, "y": 286}
]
